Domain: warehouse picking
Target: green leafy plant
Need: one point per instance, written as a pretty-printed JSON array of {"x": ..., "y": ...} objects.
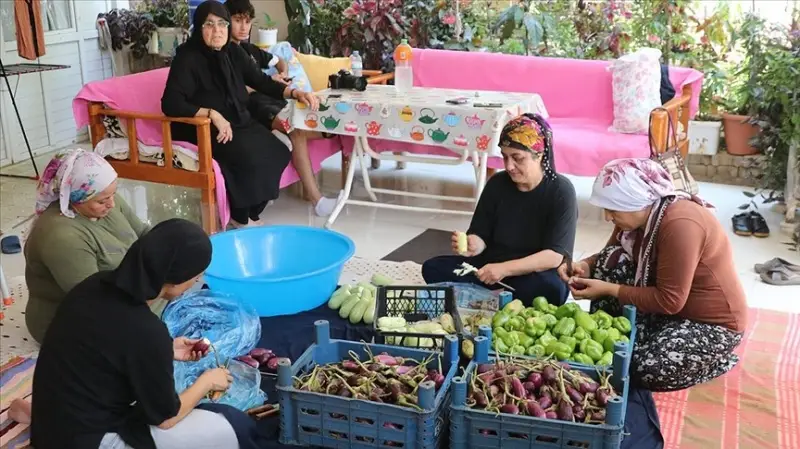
[
  {"x": 166, "y": 13},
  {"x": 268, "y": 24},
  {"x": 534, "y": 25}
]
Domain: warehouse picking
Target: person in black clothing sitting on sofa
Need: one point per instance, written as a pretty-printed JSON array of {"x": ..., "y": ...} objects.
[
  {"x": 265, "y": 109},
  {"x": 524, "y": 224}
]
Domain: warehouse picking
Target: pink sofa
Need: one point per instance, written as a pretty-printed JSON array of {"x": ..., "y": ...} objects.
[
  {"x": 576, "y": 93},
  {"x": 138, "y": 97}
]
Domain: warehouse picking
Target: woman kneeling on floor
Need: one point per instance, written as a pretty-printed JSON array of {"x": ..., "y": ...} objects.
[
  {"x": 524, "y": 224},
  {"x": 104, "y": 376},
  {"x": 670, "y": 257}
]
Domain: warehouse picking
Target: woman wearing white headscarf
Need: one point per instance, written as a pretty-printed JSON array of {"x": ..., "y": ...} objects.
[
  {"x": 671, "y": 258},
  {"x": 82, "y": 227}
]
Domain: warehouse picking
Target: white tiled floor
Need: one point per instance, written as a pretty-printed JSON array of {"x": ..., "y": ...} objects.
[{"x": 377, "y": 232}]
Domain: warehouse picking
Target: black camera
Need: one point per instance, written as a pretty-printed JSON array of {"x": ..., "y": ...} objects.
[{"x": 346, "y": 80}]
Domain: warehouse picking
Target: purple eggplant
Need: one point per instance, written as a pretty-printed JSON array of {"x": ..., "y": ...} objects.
[
  {"x": 564, "y": 411},
  {"x": 533, "y": 408},
  {"x": 549, "y": 374},
  {"x": 517, "y": 389},
  {"x": 351, "y": 366},
  {"x": 602, "y": 397},
  {"x": 485, "y": 368},
  {"x": 574, "y": 394},
  {"x": 480, "y": 399},
  {"x": 530, "y": 387},
  {"x": 511, "y": 409},
  {"x": 599, "y": 416},
  {"x": 578, "y": 412},
  {"x": 386, "y": 359},
  {"x": 586, "y": 387},
  {"x": 545, "y": 402},
  {"x": 246, "y": 359},
  {"x": 536, "y": 378},
  {"x": 550, "y": 415}
]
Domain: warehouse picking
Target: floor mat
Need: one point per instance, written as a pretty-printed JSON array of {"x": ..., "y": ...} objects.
[
  {"x": 756, "y": 405},
  {"x": 431, "y": 243},
  {"x": 16, "y": 381}
]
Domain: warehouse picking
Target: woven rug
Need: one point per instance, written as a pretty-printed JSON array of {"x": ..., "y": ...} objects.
[
  {"x": 756, "y": 405},
  {"x": 16, "y": 380}
]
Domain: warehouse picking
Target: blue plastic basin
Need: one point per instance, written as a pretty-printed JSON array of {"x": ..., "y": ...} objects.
[{"x": 279, "y": 270}]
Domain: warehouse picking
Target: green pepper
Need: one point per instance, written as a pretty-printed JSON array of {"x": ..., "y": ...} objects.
[
  {"x": 540, "y": 303},
  {"x": 560, "y": 350},
  {"x": 608, "y": 345},
  {"x": 582, "y": 358},
  {"x": 525, "y": 340},
  {"x": 624, "y": 339},
  {"x": 536, "y": 350},
  {"x": 599, "y": 335},
  {"x": 565, "y": 326},
  {"x": 500, "y": 318},
  {"x": 582, "y": 346},
  {"x": 584, "y": 320},
  {"x": 606, "y": 359},
  {"x": 622, "y": 324},
  {"x": 546, "y": 338},
  {"x": 514, "y": 307},
  {"x": 603, "y": 319},
  {"x": 516, "y": 323},
  {"x": 613, "y": 333},
  {"x": 569, "y": 341},
  {"x": 551, "y": 309},
  {"x": 500, "y": 332},
  {"x": 566, "y": 310},
  {"x": 550, "y": 319},
  {"x": 593, "y": 349},
  {"x": 511, "y": 339},
  {"x": 539, "y": 324},
  {"x": 580, "y": 334},
  {"x": 500, "y": 346},
  {"x": 517, "y": 350},
  {"x": 533, "y": 331},
  {"x": 529, "y": 312}
]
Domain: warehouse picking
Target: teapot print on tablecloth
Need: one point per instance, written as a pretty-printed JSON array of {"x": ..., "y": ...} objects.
[
  {"x": 329, "y": 122},
  {"x": 418, "y": 133},
  {"x": 452, "y": 119},
  {"x": 311, "y": 121},
  {"x": 385, "y": 111},
  {"x": 406, "y": 114},
  {"x": 323, "y": 105},
  {"x": 438, "y": 135},
  {"x": 342, "y": 107},
  {"x": 363, "y": 109},
  {"x": 427, "y": 116},
  {"x": 483, "y": 142},
  {"x": 351, "y": 127},
  {"x": 374, "y": 128},
  {"x": 474, "y": 122},
  {"x": 460, "y": 141},
  {"x": 395, "y": 132}
]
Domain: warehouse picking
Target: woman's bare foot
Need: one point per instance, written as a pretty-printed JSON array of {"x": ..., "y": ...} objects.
[{"x": 20, "y": 411}]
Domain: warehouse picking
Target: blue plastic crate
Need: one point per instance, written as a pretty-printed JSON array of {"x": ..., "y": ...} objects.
[
  {"x": 473, "y": 428},
  {"x": 628, "y": 311},
  {"x": 315, "y": 419}
]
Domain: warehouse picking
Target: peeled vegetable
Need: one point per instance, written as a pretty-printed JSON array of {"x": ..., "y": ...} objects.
[
  {"x": 462, "y": 242},
  {"x": 357, "y": 302},
  {"x": 381, "y": 280},
  {"x": 348, "y": 305}
]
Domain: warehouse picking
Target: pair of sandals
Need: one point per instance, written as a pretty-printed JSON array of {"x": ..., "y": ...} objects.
[
  {"x": 778, "y": 272},
  {"x": 749, "y": 224}
]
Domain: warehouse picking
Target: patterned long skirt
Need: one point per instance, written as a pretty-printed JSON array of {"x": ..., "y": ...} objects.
[{"x": 671, "y": 353}]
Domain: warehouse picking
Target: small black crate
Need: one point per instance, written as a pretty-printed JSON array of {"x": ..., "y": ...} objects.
[{"x": 415, "y": 303}]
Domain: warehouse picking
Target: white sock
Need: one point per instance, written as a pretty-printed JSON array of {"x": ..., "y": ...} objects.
[{"x": 325, "y": 206}]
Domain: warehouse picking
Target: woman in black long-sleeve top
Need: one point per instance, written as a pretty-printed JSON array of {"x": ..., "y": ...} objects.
[{"x": 208, "y": 78}]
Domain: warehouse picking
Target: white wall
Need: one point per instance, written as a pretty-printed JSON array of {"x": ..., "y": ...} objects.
[
  {"x": 45, "y": 99},
  {"x": 276, "y": 10}
]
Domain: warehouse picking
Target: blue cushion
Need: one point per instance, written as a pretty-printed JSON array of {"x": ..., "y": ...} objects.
[{"x": 284, "y": 51}]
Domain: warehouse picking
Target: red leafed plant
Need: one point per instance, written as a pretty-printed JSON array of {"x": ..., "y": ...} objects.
[{"x": 373, "y": 27}]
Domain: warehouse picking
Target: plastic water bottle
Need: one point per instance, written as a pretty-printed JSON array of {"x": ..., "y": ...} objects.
[
  {"x": 403, "y": 75},
  {"x": 356, "y": 65}
]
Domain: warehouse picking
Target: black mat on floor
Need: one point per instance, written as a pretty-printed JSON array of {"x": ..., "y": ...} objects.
[{"x": 431, "y": 243}]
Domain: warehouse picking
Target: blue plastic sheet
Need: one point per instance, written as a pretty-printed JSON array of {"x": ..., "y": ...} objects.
[{"x": 233, "y": 329}]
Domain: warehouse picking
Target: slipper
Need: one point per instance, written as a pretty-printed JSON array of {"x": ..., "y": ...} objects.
[
  {"x": 781, "y": 276},
  {"x": 741, "y": 224},
  {"x": 10, "y": 245},
  {"x": 758, "y": 225},
  {"x": 773, "y": 264}
]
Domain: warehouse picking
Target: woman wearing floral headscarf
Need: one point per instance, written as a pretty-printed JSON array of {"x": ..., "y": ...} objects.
[
  {"x": 671, "y": 258},
  {"x": 524, "y": 223},
  {"x": 82, "y": 227}
]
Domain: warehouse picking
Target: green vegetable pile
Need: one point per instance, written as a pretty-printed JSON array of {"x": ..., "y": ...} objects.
[
  {"x": 357, "y": 302},
  {"x": 566, "y": 333}
]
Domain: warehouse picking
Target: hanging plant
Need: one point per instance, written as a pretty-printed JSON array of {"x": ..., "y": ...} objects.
[{"x": 128, "y": 27}]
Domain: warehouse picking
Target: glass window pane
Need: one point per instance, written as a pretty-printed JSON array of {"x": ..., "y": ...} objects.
[
  {"x": 59, "y": 14},
  {"x": 7, "y": 19}
]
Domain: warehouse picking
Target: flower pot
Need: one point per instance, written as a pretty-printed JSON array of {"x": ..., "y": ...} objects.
[
  {"x": 738, "y": 134},
  {"x": 704, "y": 137},
  {"x": 267, "y": 38},
  {"x": 169, "y": 39}
]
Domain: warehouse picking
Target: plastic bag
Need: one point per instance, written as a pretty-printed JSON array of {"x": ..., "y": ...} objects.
[
  {"x": 233, "y": 329},
  {"x": 472, "y": 296}
]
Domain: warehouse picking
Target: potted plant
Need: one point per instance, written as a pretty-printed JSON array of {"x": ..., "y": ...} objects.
[
  {"x": 739, "y": 126},
  {"x": 171, "y": 18},
  {"x": 129, "y": 31},
  {"x": 267, "y": 32}
]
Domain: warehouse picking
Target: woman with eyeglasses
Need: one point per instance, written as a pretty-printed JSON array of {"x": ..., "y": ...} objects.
[{"x": 209, "y": 77}]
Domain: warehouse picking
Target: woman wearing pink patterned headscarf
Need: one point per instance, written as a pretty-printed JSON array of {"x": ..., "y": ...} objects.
[
  {"x": 671, "y": 258},
  {"x": 82, "y": 227}
]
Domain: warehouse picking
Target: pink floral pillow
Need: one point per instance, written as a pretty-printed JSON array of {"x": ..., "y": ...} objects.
[{"x": 636, "y": 83}]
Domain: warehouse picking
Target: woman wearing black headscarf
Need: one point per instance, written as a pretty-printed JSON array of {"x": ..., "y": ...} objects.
[
  {"x": 524, "y": 224},
  {"x": 209, "y": 78},
  {"x": 104, "y": 377}
]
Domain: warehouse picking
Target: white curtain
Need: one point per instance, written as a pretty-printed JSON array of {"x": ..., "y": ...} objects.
[{"x": 59, "y": 14}]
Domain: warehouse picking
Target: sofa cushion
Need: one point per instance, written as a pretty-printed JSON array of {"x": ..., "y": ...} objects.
[
  {"x": 635, "y": 84},
  {"x": 319, "y": 68}
]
